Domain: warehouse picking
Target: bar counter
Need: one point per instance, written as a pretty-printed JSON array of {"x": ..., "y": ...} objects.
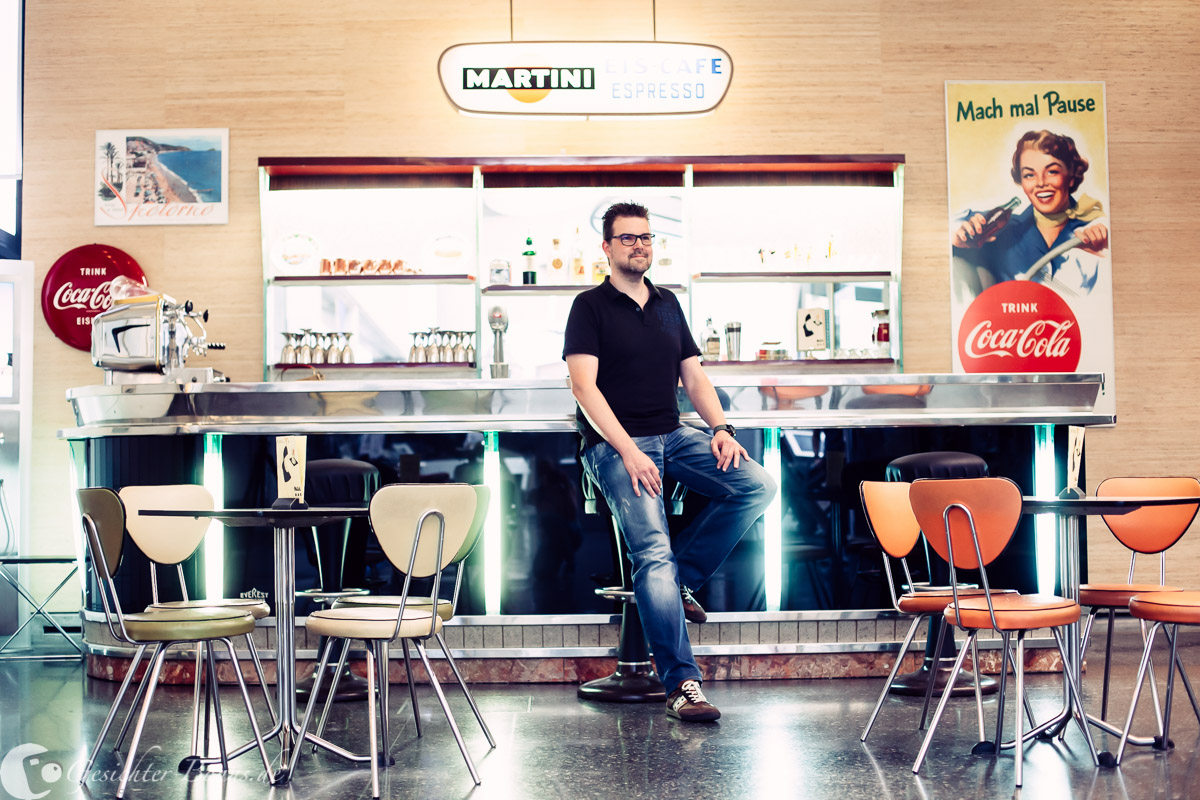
[{"x": 799, "y": 586}]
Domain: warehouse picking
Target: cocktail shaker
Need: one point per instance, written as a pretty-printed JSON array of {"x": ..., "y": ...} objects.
[{"x": 733, "y": 341}]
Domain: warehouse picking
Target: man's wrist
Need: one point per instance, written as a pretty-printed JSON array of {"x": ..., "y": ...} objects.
[{"x": 725, "y": 427}]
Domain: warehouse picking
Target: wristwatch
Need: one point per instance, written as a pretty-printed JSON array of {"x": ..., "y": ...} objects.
[{"x": 727, "y": 428}]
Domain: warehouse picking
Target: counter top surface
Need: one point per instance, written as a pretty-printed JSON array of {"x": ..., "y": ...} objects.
[{"x": 751, "y": 401}]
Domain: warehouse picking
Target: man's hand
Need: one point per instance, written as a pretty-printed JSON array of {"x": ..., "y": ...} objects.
[
  {"x": 642, "y": 470},
  {"x": 727, "y": 449}
]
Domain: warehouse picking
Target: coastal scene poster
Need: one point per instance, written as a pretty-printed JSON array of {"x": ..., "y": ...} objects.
[{"x": 162, "y": 177}]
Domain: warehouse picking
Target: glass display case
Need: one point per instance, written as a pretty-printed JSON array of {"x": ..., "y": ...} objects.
[{"x": 390, "y": 256}]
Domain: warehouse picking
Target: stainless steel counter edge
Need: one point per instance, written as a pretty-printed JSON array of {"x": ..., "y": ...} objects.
[{"x": 783, "y": 401}]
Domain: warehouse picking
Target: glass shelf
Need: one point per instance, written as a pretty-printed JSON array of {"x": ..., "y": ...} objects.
[
  {"x": 365, "y": 280},
  {"x": 791, "y": 277},
  {"x": 557, "y": 289}
]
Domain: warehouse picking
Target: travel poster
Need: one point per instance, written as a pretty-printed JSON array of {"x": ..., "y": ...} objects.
[
  {"x": 162, "y": 177},
  {"x": 1029, "y": 230}
]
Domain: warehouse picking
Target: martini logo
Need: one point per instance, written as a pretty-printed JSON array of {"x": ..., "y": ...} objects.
[
  {"x": 585, "y": 79},
  {"x": 1018, "y": 326},
  {"x": 528, "y": 84}
]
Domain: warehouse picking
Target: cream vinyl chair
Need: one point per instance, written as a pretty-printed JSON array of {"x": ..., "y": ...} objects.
[
  {"x": 169, "y": 541},
  {"x": 421, "y": 527}
]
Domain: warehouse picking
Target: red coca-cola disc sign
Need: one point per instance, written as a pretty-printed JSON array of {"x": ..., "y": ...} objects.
[
  {"x": 1018, "y": 326},
  {"x": 77, "y": 288}
]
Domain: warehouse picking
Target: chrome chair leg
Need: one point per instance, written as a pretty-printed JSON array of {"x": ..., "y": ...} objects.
[
  {"x": 371, "y": 718},
  {"x": 262, "y": 748},
  {"x": 1172, "y": 638},
  {"x": 912, "y": 630},
  {"x": 262, "y": 678},
  {"x": 196, "y": 688},
  {"x": 1005, "y": 659},
  {"x": 1019, "y": 741},
  {"x": 133, "y": 706},
  {"x": 1187, "y": 683},
  {"x": 112, "y": 713},
  {"x": 466, "y": 691},
  {"x": 285, "y": 775},
  {"x": 152, "y": 681},
  {"x": 381, "y": 661},
  {"x": 412, "y": 686},
  {"x": 337, "y": 676},
  {"x": 1112, "y": 619},
  {"x": 1079, "y": 715},
  {"x": 958, "y": 662},
  {"x": 214, "y": 687},
  {"x": 937, "y": 659},
  {"x": 1137, "y": 691},
  {"x": 437, "y": 688},
  {"x": 978, "y": 668}
]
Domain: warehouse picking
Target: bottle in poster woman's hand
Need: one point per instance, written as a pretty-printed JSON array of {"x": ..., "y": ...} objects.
[{"x": 980, "y": 227}]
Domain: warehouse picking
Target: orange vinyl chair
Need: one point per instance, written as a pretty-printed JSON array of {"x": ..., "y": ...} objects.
[
  {"x": 891, "y": 520},
  {"x": 1150, "y": 530},
  {"x": 1161, "y": 609},
  {"x": 977, "y": 518}
]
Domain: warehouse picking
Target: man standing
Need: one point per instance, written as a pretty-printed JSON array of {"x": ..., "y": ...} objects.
[{"x": 627, "y": 347}]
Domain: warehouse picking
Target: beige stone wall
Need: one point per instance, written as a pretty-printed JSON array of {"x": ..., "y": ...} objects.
[{"x": 315, "y": 78}]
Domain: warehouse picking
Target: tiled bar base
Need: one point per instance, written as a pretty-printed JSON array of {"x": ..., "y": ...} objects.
[{"x": 516, "y": 660}]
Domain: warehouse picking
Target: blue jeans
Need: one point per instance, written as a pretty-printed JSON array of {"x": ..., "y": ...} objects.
[{"x": 737, "y": 498}]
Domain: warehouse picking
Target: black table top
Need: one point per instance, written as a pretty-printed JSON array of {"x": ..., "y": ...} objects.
[
  {"x": 1081, "y": 506},
  {"x": 265, "y": 517}
]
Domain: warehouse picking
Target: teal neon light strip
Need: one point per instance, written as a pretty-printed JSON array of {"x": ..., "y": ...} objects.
[
  {"x": 1045, "y": 485},
  {"x": 773, "y": 523},
  {"x": 214, "y": 541},
  {"x": 492, "y": 544}
]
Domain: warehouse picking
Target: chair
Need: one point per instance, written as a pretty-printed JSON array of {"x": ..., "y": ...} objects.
[
  {"x": 978, "y": 517},
  {"x": 445, "y": 609},
  {"x": 170, "y": 541},
  {"x": 1161, "y": 609},
  {"x": 1148, "y": 530},
  {"x": 104, "y": 518},
  {"x": 39, "y": 607},
  {"x": 399, "y": 514},
  {"x": 891, "y": 520}
]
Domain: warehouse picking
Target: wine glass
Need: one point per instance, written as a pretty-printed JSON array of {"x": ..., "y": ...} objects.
[
  {"x": 449, "y": 341},
  {"x": 288, "y": 354},
  {"x": 304, "y": 353},
  {"x": 433, "y": 352},
  {"x": 347, "y": 353},
  {"x": 319, "y": 348},
  {"x": 333, "y": 354},
  {"x": 460, "y": 347},
  {"x": 416, "y": 353},
  {"x": 470, "y": 355}
]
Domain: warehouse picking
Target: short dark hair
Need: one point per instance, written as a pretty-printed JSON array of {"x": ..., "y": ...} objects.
[
  {"x": 622, "y": 210},
  {"x": 1052, "y": 144}
]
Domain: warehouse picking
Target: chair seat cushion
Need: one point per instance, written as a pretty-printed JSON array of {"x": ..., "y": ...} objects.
[
  {"x": 188, "y": 624},
  {"x": 1117, "y": 595},
  {"x": 371, "y": 622},
  {"x": 936, "y": 601},
  {"x": 445, "y": 607},
  {"x": 255, "y": 608},
  {"x": 1176, "y": 607},
  {"x": 1015, "y": 612}
]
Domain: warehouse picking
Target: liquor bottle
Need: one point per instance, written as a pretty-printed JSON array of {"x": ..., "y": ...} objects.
[
  {"x": 579, "y": 272},
  {"x": 557, "y": 264},
  {"x": 710, "y": 345},
  {"x": 993, "y": 221},
  {"x": 599, "y": 270},
  {"x": 529, "y": 276}
]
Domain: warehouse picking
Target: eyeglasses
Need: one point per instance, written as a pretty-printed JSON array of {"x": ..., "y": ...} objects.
[{"x": 628, "y": 239}]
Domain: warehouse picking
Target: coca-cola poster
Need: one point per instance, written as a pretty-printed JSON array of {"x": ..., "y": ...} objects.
[
  {"x": 77, "y": 288},
  {"x": 1029, "y": 230},
  {"x": 162, "y": 177}
]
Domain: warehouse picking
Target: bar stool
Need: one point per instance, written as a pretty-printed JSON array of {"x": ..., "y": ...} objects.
[
  {"x": 634, "y": 680},
  {"x": 337, "y": 482},
  {"x": 936, "y": 464}
]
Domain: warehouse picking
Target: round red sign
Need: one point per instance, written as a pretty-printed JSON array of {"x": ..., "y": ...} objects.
[
  {"x": 77, "y": 288},
  {"x": 1018, "y": 326}
]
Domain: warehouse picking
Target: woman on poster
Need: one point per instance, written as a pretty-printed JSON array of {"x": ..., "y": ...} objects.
[{"x": 1039, "y": 243}]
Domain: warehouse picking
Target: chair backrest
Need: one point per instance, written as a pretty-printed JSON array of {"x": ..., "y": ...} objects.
[
  {"x": 994, "y": 504},
  {"x": 482, "y": 496},
  {"x": 890, "y": 516},
  {"x": 1151, "y": 529},
  {"x": 107, "y": 514},
  {"x": 396, "y": 510},
  {"x": 166, "y": 540}
]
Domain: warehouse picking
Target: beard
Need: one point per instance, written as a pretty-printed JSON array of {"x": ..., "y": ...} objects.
[{"x": 632, "y": 266}]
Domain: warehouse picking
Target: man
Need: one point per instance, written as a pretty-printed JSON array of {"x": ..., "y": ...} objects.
[{"x": 627, "y": 347}]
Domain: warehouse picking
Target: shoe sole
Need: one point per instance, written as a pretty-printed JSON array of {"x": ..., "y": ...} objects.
[{"x": 705, "y": 718}]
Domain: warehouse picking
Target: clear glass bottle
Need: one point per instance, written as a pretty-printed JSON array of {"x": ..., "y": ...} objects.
[
  {"x": 579, "y": 270},
  {"x": 710, "y": 342},
  {"x": 558, "y": 264}
]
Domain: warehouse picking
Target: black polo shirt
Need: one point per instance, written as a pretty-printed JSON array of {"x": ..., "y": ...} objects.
[{"x": 640, "y": 351}]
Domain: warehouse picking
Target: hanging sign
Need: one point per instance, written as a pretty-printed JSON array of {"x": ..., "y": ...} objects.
[
  {"x": 77, "y": 288},
  {"x": 585, "y": 79},
  {"x": 1031, "y": 268}
]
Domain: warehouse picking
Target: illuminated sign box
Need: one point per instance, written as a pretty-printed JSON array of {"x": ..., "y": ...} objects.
[{"x": 585, "y": 79}]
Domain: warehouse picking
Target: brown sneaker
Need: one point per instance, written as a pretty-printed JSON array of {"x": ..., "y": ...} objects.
[
  {"x": 688, "y": 704},
  {"x": 692, "y": 611}
]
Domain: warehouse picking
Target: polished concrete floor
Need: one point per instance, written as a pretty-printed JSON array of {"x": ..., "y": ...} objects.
[{"x": 776, "y": 739}]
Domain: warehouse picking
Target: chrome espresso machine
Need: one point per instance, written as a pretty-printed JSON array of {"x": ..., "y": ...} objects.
[{"x": 147, "y": 339}]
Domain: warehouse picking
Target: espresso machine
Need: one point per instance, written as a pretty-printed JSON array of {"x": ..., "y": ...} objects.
[{"x": 148, "y": 339}]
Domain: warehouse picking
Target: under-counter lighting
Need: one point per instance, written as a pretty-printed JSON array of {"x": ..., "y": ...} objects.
[
  {"x": 492, "y": 549},
  {"x": 773, "y": 522},
  {"x": 214, "y": 540},
  {"x": 1045, "y": 525}
]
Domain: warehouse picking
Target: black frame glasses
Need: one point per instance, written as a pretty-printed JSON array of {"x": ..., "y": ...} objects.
[{"x": 629, "y": 239}]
